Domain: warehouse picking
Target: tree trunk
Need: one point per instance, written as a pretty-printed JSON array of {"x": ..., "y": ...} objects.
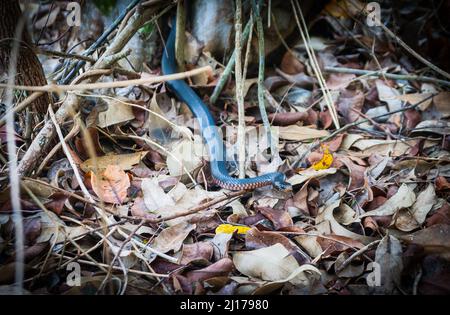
[{"x": 29, "y": 69}]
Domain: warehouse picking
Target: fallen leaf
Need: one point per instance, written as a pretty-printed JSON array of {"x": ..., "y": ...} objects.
[
  {"x": 325, "y": 162},
  {"x": 154, "y": 195},
  {"x": 256, "y": 239},
  {"x": 433, "y": 239},
  {"x": 220, "y": 268},
  {"x": 339, "y": 81},
  {"x": 172, "y": 238},
  {"x": 391, "y": 148},
  {"x": 415, "y": 98},
  {"x": 357, "y": 173},
  {"x": 185, "y": 156},
  {"x": 404, "y": 198},
  {"x": 118, "y": 112},
  {"x": 440, "y": 216},
  {"x": 349, "y": 100},
  {"x": 408, "y": 220},
  {"x": 124, "y": 161},
  {"x": 298, "y": 133},
  {"x": 290, "y": 64},
  {"x": 389, "y": 258},
  {"x": 439, "y": 127},
  {"x": 352, "y": 270},
  {"x": 307, "y": 174},
  {"x": 442, "y": 103},
  {"x": 310, "y": 244},
  {"x": 195, "y": 252},
  {"x": 326, "y": 216},
  {"x": 230, "y": 229},
  {"x": 389, "y": 95},
  {"x": 220, "y": 244},
  {"x": 279, "y": 218},
  {"x": 272, "y": 263},
  {"x": 111, "y": 184}
]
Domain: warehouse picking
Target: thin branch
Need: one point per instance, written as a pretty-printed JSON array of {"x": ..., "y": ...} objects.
[
  {"x": 230, "y": 65},
  {"x": 261, "y": 52},
  {"x": 239, "y": 89},
  {"x": 356, "y": 254},
  {"x": 402, "y": 43},
  {"x": 313, "y": 61},
  {"x": 105, "y": 85},
  {"x": 392, "y": 76}
]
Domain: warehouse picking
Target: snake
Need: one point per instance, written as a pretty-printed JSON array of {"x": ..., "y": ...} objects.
[{"x": 209, "y": 130}]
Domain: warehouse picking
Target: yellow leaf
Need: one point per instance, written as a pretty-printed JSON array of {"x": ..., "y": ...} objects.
[
  {"x": 326, "y": 160},
  {"x": 230, "y": 229}
]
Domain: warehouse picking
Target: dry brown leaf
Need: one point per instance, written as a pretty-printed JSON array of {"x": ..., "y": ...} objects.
[
  {"x": 384, "y": 147},
  {"x": 415, "y": 98},
  {"x": 433, "y": 239},
  {"x": 389, "y": 258},
  {"x": 196, "y": 251},
  {"x": 404, "y": 198},
  {"x": 338, "y": 81},
  {"x": 172, "y": 238},
  {"x": 290, "y": 64},
  {"x": 279, "y": 218},
  {"x": 442, "y": 103},
  {"x": 255, "y": 239},
  {"x": 111, "y": 184},
  {"x": 272, "y": 263},
  {"x": 117, "y": 112},
  {"x": 408, "y": 220},
  {"x": 389, "y": 95},
  {"x": 309, "y": 173},
  {"x": 298, "y": 133},
  {"x": 124, "y": 161},
  {"x": 326, "y": 216}
]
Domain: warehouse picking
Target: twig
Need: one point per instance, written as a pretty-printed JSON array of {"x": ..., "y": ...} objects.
[
  {"x": 77, "y": 174},
  {"x": 262, "y": 107},
  {"x": 70, "y": 105},
  {"x": 230, "y": 65},
  {"x": 239, "y": 89},
  {"x": 138, "y": 272},
  {"x": 180, "y": 37},
  {"x": 354, "y": 255},
  {"x": 314, "y": 63},
  {"x": 128, "y": 239},
  {"x": 19, "y": 107},
  {"x": 77, "y": 66},
  {"x": 14, "y": 178},
  {"x": 104, "y": 85},
  {"x": 392, "y": 76},
  {"x": 402, "y": 43},
  {"x": 64, "y": 55},
  {"x": 75, "y": 129}
]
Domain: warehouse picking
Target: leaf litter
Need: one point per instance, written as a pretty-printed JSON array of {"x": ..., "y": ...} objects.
[{"x": 369, "y": 211}]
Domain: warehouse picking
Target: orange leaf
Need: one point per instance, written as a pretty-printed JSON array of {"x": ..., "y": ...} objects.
[{"x": 111, "y": 184}]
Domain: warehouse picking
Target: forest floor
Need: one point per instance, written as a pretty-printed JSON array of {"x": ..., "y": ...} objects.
[{"x": 111, "y": 192}]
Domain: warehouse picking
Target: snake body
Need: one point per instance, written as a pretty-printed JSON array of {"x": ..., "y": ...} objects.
[{"x": 209, "y": 131}]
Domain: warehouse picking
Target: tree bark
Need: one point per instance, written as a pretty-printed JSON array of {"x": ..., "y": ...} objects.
[{"x": 29, "y": 69}]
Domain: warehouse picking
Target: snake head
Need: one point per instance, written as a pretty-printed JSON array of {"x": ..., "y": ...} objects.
[{"x": 280, "y": 183}]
